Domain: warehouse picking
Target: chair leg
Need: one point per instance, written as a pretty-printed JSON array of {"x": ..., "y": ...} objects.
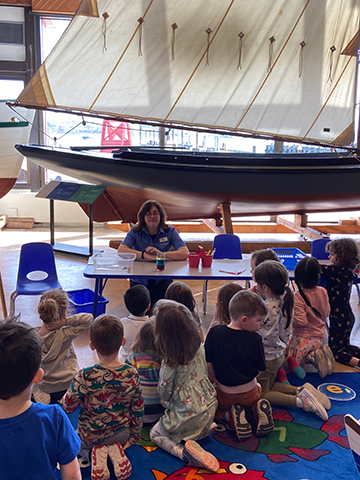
[
  {"x": 12, "y": 304},
  {"x": 2, "y": 297}
]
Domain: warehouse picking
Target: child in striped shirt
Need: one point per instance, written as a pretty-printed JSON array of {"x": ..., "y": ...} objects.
[{"x": 147, "y": 363}]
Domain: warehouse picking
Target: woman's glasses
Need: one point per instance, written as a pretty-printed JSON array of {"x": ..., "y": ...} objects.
[{"x": 153, "y": 214}]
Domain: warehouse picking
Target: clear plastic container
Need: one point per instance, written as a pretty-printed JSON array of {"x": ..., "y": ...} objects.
[{"x": 116, "y": 261}]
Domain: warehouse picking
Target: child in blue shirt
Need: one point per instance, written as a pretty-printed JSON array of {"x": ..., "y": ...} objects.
[{"x": 34, "y": 437}]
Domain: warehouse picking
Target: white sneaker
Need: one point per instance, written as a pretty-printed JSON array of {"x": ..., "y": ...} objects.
[
  {"x": 122, "y": 466},
  {"x": 321, "y": 397},
  {"x": 310, "y": 404},
  {"x": 99, "y": 469},
  {"x": 329, "y": 358},
  {"x": 321, "y": 363},
  {"x": 198, "y": 457},
  {"x": 41, "y": 397}
]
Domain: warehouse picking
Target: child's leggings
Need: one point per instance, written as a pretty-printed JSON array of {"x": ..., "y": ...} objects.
[
  {"x": 276, "y": 393},
  {"x": 161, "y": 438},
  {"x": 339, "y": 337},
  {"x": 301, "y": 347}
]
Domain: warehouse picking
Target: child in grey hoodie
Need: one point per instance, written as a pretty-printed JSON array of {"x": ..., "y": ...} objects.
[{"x": 58, "y": 359}]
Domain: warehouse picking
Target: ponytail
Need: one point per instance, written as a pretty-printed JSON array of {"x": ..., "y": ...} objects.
[
  {"x": 288, "y": 306},
  {"x": 306, "y": 300}
]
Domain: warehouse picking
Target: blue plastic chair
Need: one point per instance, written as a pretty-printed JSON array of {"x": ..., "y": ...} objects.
[
  {"x": 228, "y": 246},
  {"x": 36, "y": 273},
  {"x": 318, "y": 248}
]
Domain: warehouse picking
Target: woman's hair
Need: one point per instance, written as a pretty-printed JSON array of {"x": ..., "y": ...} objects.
[
  {"x": 145, "y": 337},
  {"x": 145, "y": 208},
  {"x": 346, "y": 251},
  {"x": 263, "y": 255},
  {"x": 53, "y": 305},
  {"x": 177, "y": 338},
  {"x": 274, "y": 275},
  {"x": 225, "y": 294},
  {"x": 307, "y": 273}
]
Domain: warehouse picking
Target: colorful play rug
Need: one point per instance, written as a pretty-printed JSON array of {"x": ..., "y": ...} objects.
[{"x": 302, "y": 446}]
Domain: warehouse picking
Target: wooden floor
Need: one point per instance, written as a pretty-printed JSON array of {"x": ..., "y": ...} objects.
[{"x": 70, "y": 271}]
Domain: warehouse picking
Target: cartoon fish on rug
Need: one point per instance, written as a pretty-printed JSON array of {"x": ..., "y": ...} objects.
[
  {"x": 288, "y": 439},
  {"x": 145, "y": 441},
  {"x": 227, "y": 471}
]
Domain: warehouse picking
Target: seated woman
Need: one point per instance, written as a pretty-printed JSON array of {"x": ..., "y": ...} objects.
[{"x": 149, "y": 236}]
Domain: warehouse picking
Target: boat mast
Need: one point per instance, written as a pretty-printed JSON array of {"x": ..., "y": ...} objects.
[{"x": 357, "y": 101}]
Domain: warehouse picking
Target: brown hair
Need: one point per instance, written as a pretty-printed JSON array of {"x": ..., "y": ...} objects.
[
  {"x": 225, "y": 294},
  {"x": 145, "y": 337},
  {"x": 260, "y": 256},
  {"x": 274, "y": 275},
  {"x": 346, "y": 251},
  {"x": 246, "y": 303},
  {"x": 181, "y": 293},
  {"x": 145, "y": 208},
  {"x": 177, "y": 337},
  {"x": 107, "y": 333},
  {"x": 53, "y": 305},
  {"x": 20, "y": 357},
  {"x": 307, "y": 274}
]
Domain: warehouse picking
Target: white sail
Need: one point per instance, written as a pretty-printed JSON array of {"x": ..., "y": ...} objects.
[{"x": 273, "y": 68}]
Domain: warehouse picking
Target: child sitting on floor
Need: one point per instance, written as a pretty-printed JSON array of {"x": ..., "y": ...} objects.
[
  {"x": 146, "y": 362},
  {"x": 225, "y": 294},
  {"x": 34, "y": 437},
  {"x": 344, "y": 256},
  {"x": 184, "y": 387},
  {"x": 311, "y": 309},
  {"x": 235, "y": 357},
  {"x": 109, "y": 394},
  {"x": 180, "y": 292},
  {"x": 57, "y": 332},
  {"x": 273, "y": 285},
  {"x": 137, "y": 301}
]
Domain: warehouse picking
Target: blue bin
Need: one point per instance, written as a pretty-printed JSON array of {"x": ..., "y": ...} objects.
[
  {"x": 83, "y": 301},
  {"x": 290, "y": 257}
]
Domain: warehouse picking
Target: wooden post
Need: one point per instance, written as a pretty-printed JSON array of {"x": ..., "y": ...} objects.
[
  {"x": 226, "y": 215},
  {"x": 2, "y": 297}
]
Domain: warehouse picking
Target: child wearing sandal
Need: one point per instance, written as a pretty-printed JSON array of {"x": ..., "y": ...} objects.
[
  {"x": 184, "y": 387},
  {"x": 343, "y": 256},
  {"x": 225, "y": 294},
  {"x": 109, "y": 394},
  {"x": 235, "y": 357},
  {"x": 58, "y": 358},
  {"x": 311, "y": 309},
  {"x": 272, "y": 282}
]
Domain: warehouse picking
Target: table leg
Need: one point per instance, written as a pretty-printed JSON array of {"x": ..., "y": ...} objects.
[{"x": 205, "y": 295}]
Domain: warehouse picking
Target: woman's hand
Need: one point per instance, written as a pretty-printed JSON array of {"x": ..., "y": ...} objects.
[{"x": 152, "y": 251}]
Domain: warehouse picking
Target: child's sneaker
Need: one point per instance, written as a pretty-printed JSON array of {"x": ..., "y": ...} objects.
[
  {"x": 263, "y": 417},
  {"x": 321, "y": 397},
  {"x": 238, "y": 420},
  {"x": 321, "y": 363},
  {"x": 329, "y": 358},
  {"x": 99, "y": 469},
  {"x": 122, "y": 466},
  {"x": 310, "y": 404},
  {"x": 198, "y": 457}
]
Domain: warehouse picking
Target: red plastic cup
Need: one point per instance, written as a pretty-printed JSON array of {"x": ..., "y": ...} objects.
[
  {"x": 206, "y": 261},
  {"x": 194, "y": 260}
]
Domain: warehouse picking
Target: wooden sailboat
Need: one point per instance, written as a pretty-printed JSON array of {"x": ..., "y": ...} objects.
[
  {"x": 265, "y": 69},
  {"x": 13, "y": 129}
]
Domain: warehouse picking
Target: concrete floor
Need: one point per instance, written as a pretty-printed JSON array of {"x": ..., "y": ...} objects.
[{"x": 70, "y": 272}]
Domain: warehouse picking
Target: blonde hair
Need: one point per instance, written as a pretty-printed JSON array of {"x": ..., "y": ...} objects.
[{"x": 53, "y": 305}]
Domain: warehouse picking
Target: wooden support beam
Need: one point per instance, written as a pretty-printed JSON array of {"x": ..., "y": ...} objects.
[
  {"x": 306, "y": 231},
  {"x": 2, "y": 298},
  {"x": 301, "y": 220},
  {"x": 212, "y": 226},
  {"x": 226, "y": 215}
]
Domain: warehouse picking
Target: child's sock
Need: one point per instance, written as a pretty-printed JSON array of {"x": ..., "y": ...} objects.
[
  {"x": 281, "y": 376},
  {"x": 295, "y": 367}
]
